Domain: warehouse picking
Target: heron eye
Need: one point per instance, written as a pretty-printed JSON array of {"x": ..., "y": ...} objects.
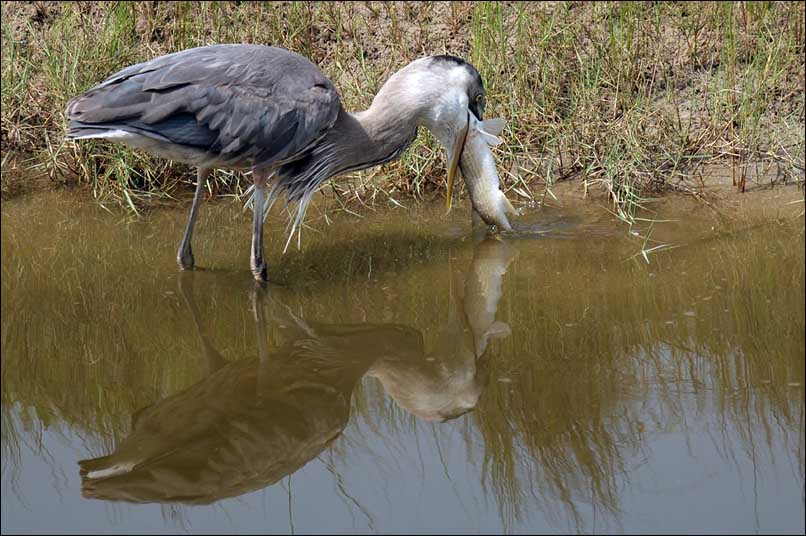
[{"x": 479, "y": 97}]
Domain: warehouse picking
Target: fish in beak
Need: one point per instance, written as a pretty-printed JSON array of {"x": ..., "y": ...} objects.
[{"x": 472, "y": 153}]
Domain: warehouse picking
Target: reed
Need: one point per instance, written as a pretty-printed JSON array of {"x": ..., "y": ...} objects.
[{"x": 630, "y": 98}]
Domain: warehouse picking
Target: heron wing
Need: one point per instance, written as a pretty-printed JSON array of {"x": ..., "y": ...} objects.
[{"x": 249, "y": 105}]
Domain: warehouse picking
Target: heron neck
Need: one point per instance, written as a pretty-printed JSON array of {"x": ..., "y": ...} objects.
[
  {"x": 386, "y": 131},
  {"x": 354, "y": 142}
]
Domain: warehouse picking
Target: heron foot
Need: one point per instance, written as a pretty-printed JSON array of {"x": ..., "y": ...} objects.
[
  {"x": 185, "y": 259},
  {"x": 260, "y": 271}
]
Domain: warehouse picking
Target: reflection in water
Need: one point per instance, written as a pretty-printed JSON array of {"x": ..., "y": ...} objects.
[
  {"x": 625, "y": 391},
  {"x": 448, "y": 381},
  {"x": 251, "y": 422}
]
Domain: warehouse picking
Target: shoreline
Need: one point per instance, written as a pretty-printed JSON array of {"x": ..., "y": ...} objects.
[{"x": 715, "y": 194}]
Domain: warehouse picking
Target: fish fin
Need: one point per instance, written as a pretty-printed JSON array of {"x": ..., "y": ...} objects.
[
  {"x": 493, "y": 126},
  {"x": 490, "y": 138}
]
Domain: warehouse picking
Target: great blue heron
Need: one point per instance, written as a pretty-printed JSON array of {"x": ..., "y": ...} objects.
[{"x": 272, "y": 111}]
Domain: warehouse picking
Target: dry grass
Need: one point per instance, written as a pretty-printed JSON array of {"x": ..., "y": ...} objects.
[{"x": 631, "y": 98}]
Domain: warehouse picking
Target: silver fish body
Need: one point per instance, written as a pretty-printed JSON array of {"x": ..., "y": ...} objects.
[{"x": 480, "y": 174}]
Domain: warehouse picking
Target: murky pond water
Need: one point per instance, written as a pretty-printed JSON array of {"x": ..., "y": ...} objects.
[{"x": 400, "y": 375}]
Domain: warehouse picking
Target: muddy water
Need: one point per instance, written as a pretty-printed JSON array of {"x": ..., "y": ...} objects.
[{"x": 399, "y": 375}]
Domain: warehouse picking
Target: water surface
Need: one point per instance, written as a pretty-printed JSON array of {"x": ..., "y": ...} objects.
[{"x": 400, "y": 374}]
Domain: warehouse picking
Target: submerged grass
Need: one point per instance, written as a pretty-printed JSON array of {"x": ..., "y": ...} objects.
[{"x": 631, "y": 98}]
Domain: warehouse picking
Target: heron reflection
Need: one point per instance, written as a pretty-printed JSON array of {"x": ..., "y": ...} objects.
[
  {"x": 251, "y": 422},
  {"x": 447, "y": 381}
]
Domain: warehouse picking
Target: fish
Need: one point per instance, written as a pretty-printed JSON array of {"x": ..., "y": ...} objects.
[
  {"x": 480, "y": 174},
  {"x": 484, "y": 289}
]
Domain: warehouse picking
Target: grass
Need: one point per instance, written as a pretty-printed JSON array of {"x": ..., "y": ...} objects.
[{"x": 630, "y": 98}]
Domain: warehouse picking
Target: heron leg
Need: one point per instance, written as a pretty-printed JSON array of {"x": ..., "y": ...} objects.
[
  {"x": 258, "y": 308},
  {"x": 214, "y": 360},
  {"x": 185, "y": 254},
  {"x": 256, "y": 261}
]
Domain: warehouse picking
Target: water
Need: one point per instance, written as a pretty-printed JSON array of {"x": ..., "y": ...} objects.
[{"x": 399, "y": 375}]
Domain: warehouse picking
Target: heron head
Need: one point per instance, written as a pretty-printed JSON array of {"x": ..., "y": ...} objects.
[
  {"x": 465, "y": 76},
  {"x": 439, "y": 92},
  {"x": 465, "y": 86},
  {"x": 468, "y": 87}
]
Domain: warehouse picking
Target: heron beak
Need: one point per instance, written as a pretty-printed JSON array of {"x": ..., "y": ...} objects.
[{"x": 456, "y": 156}]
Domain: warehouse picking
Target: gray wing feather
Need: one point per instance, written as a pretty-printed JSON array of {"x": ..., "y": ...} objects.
[{"x": 249, "y": 105}]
